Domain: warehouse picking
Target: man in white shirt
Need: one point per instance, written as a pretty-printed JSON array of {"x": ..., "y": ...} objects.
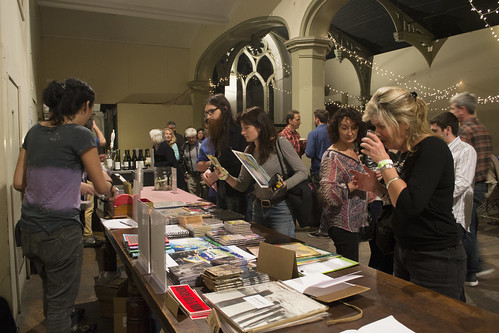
[{"x": 446, "y": 125}]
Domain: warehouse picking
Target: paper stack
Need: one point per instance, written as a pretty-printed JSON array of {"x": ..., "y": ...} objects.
[
  {"x": 222, "y": 277},
  {"x": 190, "y": 301}
]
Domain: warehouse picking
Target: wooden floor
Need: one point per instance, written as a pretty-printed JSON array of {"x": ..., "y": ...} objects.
[{"x": 485, "y": 295}]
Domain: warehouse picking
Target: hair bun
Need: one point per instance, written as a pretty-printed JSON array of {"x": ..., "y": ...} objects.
[{"x": 53, "y": 94}]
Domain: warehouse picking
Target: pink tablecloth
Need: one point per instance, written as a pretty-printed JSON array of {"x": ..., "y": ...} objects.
[{"x": 149, "y": 193}]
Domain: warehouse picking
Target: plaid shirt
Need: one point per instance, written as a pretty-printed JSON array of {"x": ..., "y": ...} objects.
[
  {"x": 292, "y": 137},
  {"x": 473, "y": 132}
]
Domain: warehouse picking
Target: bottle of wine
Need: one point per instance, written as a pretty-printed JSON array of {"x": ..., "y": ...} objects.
[
  {"x": 126, "y": 160},
  {"x": 141, "y": 159},
  {"x": 148, "y": 159},
  {"x": 117, "y": 160},
  {"x": 109, "y": 160},
  {"x": 133, "y": 162}
]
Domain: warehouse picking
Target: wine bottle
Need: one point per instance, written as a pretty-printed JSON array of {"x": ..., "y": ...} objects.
[
  {"x": 148, "y": 159},
  {"x": 126, "y": 160},
  {"x": 141, "y": 160},
  {"x": 109, "y": 160},
  {"x": 133, "y": 162},
  {"x": 117, "y": 160}
]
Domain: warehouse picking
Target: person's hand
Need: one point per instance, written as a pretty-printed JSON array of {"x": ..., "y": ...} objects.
[
  {"x": 210, "y": 178},
  {"x": 222, "y": 174},
  {"x": 373, "y": 147},
  {"x": 112, "y": 194},
  {"x": 280, "y": 192},
  {"x": 86, "y": 189},
  {"x": 364, "y": 181}
]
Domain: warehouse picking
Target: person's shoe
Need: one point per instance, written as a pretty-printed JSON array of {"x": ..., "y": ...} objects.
[
  {"x": 77, "y": 316},
  {"x": 471, "y": 280},
  {"x": 92, "y": 242},
  {"x": 317, "y": 234},
  {"x": 485, "y": 272}
]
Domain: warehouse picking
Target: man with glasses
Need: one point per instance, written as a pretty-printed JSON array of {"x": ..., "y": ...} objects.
[{"x": 224, "y": 135}]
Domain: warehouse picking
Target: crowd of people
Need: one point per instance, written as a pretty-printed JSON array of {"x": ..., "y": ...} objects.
[{"x": 428, "y": 175}]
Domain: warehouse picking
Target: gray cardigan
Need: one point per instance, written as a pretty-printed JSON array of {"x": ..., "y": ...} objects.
[{"x": 272, "y": 166}]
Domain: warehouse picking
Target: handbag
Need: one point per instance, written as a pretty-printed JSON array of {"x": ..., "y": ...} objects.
[
  {"x": 302, "y": 199},
  {"x": 383, "y": 233}
]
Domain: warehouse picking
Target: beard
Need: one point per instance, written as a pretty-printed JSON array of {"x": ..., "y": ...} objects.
[{"x": 216, "y": 132}]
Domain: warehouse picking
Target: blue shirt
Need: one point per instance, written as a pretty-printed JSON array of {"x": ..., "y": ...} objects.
[{"x": 317, "y": 143}]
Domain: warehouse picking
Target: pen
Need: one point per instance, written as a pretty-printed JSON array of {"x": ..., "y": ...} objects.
[{"x": 125, "y": 223}]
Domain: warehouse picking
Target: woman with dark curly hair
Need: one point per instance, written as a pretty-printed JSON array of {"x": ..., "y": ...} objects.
[{"x": 345, "y": 207}]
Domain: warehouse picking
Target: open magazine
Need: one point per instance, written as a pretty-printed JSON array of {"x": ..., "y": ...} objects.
[{"x": 256, "y": 171}]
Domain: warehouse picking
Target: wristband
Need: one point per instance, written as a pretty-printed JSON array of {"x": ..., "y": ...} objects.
[
  {"x": 391, "y": 181},
  {"x": 225, "y": 175},
  {"x": 384, "y": 162},
  {"x": 386, "y": 166}
]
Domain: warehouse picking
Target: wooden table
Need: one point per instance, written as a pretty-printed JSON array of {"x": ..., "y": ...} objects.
[{"x": 418, "y": 308}]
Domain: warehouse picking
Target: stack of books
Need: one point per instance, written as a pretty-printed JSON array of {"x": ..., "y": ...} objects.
[
  {"x": 251, "y": 276},
  {"x": 189, "y": 274},
  {"x": 198, "y": 230},
  {"x": 175, "y": 231},
  {"x": 190, "y": 301},
  {"x": 238, "y": 227},
  {"x": 222, "y": 277},
  {"x": 131, "y": 244},
  {"x": 264, "y": 306}
]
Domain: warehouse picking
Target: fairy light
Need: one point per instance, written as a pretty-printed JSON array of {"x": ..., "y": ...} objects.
[{"x": 483, "y": 17}]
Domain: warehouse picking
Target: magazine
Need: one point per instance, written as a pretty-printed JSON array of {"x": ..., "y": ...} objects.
[{"x": 256, "y": 171}]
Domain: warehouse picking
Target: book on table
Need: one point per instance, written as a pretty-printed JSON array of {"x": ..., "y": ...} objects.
[
  {"x": 264, "y": 306},
  {"x": 190, "y": 301}
]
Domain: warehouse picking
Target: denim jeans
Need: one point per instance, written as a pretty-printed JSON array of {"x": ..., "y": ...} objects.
[
  {"x": 470, "y": 239},
  {"x": 443, "y": 271},
  {"x": 58, "y": 259},
  {"x": 276, "y": 217}
]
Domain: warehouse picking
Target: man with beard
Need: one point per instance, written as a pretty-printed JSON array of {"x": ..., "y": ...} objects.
[{"x": 224, "y": 136}]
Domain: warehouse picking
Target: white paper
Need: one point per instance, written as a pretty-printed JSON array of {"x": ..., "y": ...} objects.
[
  {"x": 119, "y": 224},
  {"x": 246, "y": 255},
  {"x": 258, "y": 301},
  {"x": 319, "y": 284},
  {"x": 387, "y": 324}
]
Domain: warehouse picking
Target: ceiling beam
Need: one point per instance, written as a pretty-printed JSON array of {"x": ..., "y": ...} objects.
[{"x": 410, "y": 31}]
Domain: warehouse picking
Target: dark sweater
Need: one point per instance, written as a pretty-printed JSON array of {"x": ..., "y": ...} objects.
[{"x": 423, "y": 219}]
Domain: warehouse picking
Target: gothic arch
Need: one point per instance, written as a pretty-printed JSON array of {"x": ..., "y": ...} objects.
[
  {"x": 234, "y": 39},
  {"x": 318, "y": 17}
]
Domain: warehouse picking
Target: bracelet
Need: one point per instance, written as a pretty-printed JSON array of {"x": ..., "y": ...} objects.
[
  {"x": 391, "y": 181},
  {"x": 225, "y": 176}
]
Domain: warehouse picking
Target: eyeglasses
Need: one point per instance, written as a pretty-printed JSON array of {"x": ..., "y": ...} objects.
[{"x": 210, "y": 112}]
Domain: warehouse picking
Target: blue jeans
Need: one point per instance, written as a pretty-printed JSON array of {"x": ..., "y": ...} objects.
[
  {"x": 276, "y": 217},
  {"x": 58, "y": 259},
  {"x": 470, "y": 239},
  {"x": 443, "y": 271}
]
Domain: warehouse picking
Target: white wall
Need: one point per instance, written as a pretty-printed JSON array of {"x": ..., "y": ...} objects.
[{"x": 17, "y": 113}]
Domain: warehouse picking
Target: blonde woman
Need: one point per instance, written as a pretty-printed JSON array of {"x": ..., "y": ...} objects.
[
  {"x": 428, "y": 251},
  {"x": 172, "y": 141}
]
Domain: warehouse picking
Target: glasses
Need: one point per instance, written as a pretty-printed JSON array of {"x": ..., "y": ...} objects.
[{"x": 210, "y": 112}]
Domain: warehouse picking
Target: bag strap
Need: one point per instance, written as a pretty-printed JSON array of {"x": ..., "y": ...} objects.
[{"x": 278, "y": 149}]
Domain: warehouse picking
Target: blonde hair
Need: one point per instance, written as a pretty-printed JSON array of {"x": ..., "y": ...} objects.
[
  {"x": 394, "y": 106},
  {"x": 156, "y": 136},
  {"x": 173, "y": 139}
]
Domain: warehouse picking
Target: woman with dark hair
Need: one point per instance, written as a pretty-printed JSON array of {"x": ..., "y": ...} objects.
[
  {"x": 427, "y": 251},
  {"x": 200, "y": 135},
  {"x": 49, "y": 169},
  {"x": 269, "y": 207},
  {"x": 345, "y": 206},
  {"x": 224, "y": 135}
]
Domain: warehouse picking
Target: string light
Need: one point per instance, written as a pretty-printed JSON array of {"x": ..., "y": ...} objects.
[
  {"x": 483, "y": 17},
  {"x": 430, "y": 95}
]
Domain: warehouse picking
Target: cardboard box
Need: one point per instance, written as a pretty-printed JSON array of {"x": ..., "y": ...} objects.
[
  {"x": 107, "y": 292},
  {"x": 120, "y": 318}
]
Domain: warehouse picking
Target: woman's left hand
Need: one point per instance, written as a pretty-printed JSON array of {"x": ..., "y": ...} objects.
[
  {"x": 364, "y": 181},
  {"x": 373, "y": 147}
]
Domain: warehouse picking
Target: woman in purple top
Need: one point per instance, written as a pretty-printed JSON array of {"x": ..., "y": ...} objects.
[
  {"x": 345, "y": 206},
  {"x": 51, "y": 161}
]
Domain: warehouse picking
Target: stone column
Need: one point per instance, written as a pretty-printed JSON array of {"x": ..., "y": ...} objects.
[
  {"x": 200, "y": 90},
  {"x": 308, "y": 56}
]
